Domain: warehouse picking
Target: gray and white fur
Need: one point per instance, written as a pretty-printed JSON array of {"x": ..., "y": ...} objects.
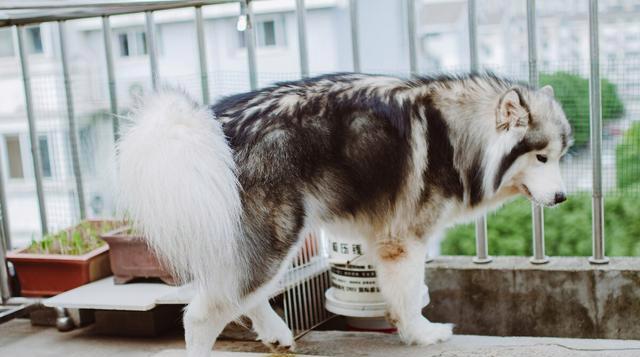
[{"x": 224, "y": 194}]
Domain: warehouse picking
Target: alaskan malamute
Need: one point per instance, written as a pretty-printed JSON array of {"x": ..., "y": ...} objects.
[{"x": 225, "y": 193}]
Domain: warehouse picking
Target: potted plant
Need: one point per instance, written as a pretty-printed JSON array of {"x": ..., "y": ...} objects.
[
  {"x": 64, "y": 260},
  {"x": 131, "y": 257}
]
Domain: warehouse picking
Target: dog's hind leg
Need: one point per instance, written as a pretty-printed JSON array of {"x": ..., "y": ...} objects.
[
  {"x": 203, "y": 321},
  {"x": 400, "y": 271},
  {"x": 271, "y": 329}
]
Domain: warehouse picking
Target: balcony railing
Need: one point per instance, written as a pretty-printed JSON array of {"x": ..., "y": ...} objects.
[{"x": 47, "y": 11}]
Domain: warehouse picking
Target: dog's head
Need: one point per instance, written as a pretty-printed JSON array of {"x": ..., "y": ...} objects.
[{"x": 532, "y": 136}]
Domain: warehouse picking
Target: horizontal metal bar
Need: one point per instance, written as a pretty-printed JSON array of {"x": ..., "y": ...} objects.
[
  {"x": 27, "y": 13},
  {"x": 35, "y": 5}
]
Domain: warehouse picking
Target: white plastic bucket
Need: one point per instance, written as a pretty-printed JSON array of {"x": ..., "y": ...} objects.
[
  {"x": 353, "y": 276},
  {"x": 355, "y": 292}
]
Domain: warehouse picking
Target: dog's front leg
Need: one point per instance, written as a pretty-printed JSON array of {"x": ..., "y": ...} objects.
[{"x": 400, "y": 271}]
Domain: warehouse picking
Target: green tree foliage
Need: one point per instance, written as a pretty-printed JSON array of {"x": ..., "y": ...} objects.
[
  {"x": 572, "y": 91},
  {"x": 628, "y": 159},
  {"x": 567, "y": 229}
]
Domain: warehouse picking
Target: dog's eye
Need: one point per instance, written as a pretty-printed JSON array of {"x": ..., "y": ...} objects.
[{"x": 541, "y": 158}]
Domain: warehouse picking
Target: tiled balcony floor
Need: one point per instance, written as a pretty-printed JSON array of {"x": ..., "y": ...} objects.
[{"x": 19, "y": 338}]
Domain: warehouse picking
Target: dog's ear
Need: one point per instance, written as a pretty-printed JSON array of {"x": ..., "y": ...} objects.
[
  {"x": 548, "y": 90},
  {"x": 512, "y": 113}
]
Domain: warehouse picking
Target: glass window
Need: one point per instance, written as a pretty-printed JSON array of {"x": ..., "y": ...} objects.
[
  {"x": 14, "y": 156},
  {"x": 132, "y": 43},
  {"x": 34, "y": 40},
  {"x": 6, "y": 43},
  {"x": 123, "y": 42},
  {"x": 268, "y": 33},
  {"x": 141, "y": 43},
  {"x": 45, "y": 157}
]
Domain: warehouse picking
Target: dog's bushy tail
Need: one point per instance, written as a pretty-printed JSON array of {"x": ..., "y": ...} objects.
[{"x": 177, "y": 185}]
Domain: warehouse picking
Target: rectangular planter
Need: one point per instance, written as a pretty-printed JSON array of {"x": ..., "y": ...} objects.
[
  {"x": 131, "y": 258},
  {"x": 52, "y": 274}
]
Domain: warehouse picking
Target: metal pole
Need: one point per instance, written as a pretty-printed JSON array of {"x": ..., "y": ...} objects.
[
  {"x": 4, "y": 213},
  {"x": 33, "y": 138},
  {"x": 111, "y": 78},
  {"x": 595, "y": 116},
  {"x": 355, "y": 46},
  {"x": 75, "y": 156},
  {"x": 151, "y": 45},
  {"x": 473, "y": 36},
  {"x": 482, "y": 245},
  {"x": 302, "y": 38},
  {"x": 5, "y": 243},
  {"x": 5, "y": 292},
  {"x": 411, "y": 27},
  {"x": 202, "y": 56},
  {"x": 537, "y": 213},
  {"x": 250, "y": 40}
]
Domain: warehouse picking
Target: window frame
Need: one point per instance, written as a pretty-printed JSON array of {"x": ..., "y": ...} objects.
[
  {"x": 50, "y": 162},
  {"x": 279, "y": 32},
  {"x": 31, "y": 48},
  {"x": 7, "y": 157},
  {"x": 132, "y": 36}
]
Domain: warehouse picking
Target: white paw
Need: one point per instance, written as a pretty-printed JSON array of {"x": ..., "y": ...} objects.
[
  {"x": 277, "y": 337},
  {"x": 423, "y": 332}
]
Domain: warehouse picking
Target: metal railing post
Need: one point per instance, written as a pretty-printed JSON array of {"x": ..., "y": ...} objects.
[
  {"x": 537, "y": 212},
  {"x": 303, "y": 51},
  {"x": 250, "y": 41},
  {"x": 411, "y": 29},
  {"x": 595, "y": 116},
  {"x": 473, "y": 36},
  {"x": 353, "y": 24},
  {"x": 111, "y": 77},
  {"x": 73, "y": 140},
  {"x": 4, "y": 213},
  {"x": 5, "y": 291},
  {"x": 151, "y": 46},
  {"x": 202, "y": 56},
  {"x": 33, "y": 138},
  {"x": 482, "y": 246},
  {"x": 5, "y": 243}
]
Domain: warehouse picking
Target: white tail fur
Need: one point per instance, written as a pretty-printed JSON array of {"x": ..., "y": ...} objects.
[{"x": 177, "y": 185}]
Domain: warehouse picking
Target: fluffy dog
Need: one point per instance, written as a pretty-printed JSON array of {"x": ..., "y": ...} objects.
[{"x": 225, "y": 193}]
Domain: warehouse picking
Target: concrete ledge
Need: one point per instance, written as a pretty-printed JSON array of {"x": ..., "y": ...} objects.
[
  {"x": 568, "y": 297},
  {"x": 349, "y": 344},
  {"x": 343, "y": 344}
]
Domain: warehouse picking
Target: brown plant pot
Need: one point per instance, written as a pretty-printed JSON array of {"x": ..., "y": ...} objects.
[
  {"x": 131, "y": 258},
  {"x": 52, "y": 274}
]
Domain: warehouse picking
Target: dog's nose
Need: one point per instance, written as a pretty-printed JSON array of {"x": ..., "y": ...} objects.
[{"x": 560, "y": 197}]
